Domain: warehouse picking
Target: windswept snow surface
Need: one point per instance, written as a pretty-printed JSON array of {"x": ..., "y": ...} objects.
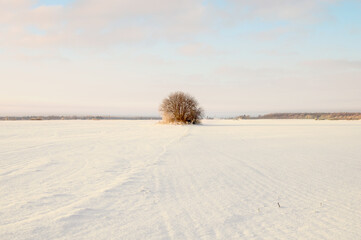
[{"x": 143, "y": 180}]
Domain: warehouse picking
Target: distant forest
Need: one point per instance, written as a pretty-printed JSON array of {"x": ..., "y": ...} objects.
[
  {"x": 316, "y": 116},
  {"x": 76, "y": 118}
]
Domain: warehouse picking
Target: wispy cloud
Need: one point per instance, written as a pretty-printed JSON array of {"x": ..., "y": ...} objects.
[
  {"x": 305, "y": 10},
  {"x": 199, "y": 49},
  {"x": 328, "y": 64},
  {"x": 100, "y": 23},
  {"x": 109, "y": 22}
]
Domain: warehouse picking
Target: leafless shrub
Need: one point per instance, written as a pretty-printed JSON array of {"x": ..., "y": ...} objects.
[{"x": 182, "y": 108}]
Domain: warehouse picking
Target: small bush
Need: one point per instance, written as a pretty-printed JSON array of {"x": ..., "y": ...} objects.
[{"x": 182, "y": 108}]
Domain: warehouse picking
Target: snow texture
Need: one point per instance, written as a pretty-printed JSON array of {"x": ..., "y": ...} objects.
[{"x": 225, "y": 179}]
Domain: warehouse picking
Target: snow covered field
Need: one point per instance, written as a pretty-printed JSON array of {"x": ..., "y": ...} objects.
[{"x": 142, "y": 180}]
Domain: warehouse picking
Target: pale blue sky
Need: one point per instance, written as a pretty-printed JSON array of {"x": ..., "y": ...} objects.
[{"x": 123, "y": 57}]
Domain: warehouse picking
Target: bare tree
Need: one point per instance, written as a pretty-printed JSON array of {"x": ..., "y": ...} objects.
[{"x": 180, "y": 107}]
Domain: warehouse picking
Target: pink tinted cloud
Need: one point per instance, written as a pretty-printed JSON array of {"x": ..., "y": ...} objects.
[
  {"x": 100, "y": 23},
  {"x": 199, "y": 49},
  {"x": 330, "y": 64},
  {"x": 283, "y": 9},
  {"x": 93, "y": 23}
]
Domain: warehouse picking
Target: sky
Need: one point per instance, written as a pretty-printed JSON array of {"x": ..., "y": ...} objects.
[{"x": 122, "y": 57}]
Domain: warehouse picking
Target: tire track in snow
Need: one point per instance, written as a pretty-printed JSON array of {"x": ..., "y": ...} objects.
[
  {"x": 179, "y": 193},
  {"x": 116, "y": 183},
  {"x": 158, "y": 175}
]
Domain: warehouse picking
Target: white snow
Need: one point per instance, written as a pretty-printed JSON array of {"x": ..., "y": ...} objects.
[{"x": 143, "y": 180}]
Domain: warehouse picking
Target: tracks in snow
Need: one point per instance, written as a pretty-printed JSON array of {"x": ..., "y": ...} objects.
[{"x": 218, "y": 181}]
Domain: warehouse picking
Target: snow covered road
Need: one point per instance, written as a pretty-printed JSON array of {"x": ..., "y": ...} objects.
[{"x": 142, "y": 180}]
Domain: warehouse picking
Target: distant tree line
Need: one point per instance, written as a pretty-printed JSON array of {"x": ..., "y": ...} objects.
[
  {"x": 38, "y": 118},
  {"x": 316, "y": 116}
]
